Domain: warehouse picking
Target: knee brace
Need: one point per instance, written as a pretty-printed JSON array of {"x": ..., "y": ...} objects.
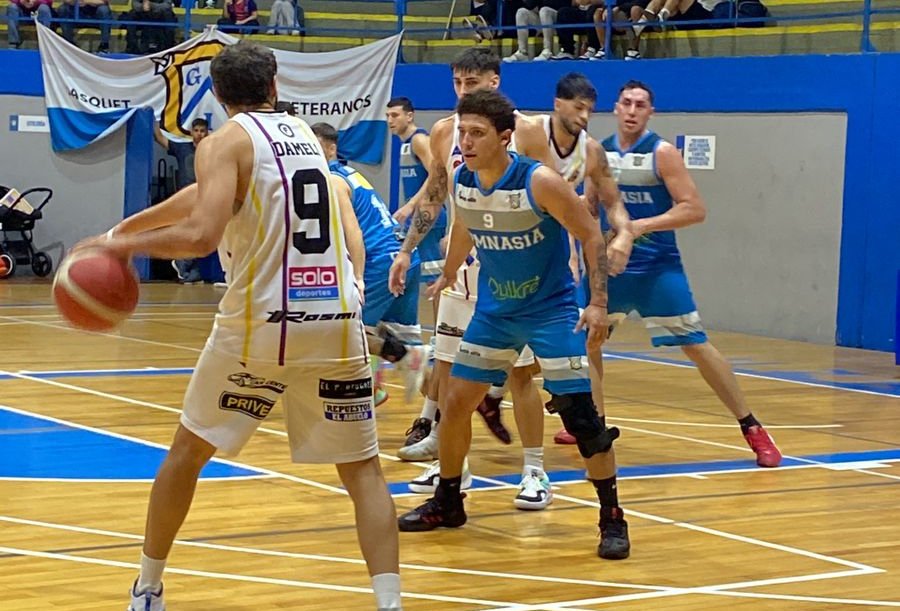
[
  {"x": 385, "y": 344},
  {"x": 579, "y": 416}
]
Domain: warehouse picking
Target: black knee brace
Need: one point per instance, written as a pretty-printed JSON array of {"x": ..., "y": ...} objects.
[
  {"x": 385, "y": 344},
  {"x": 579, "y": 416}
]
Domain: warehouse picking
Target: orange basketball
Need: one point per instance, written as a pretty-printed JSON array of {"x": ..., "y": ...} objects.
[{"x": 94, "y": 290}]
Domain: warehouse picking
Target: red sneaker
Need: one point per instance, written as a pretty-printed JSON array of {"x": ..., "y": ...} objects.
[
  {"x": 767, "y": 454},
  {"x": 564, "y": 437},
  {"x": 489, "y": 409}
]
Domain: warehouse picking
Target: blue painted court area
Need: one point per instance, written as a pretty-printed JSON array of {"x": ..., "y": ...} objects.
[
  {"x": 41, "y": 448},
  {"x": 575, "y": 475}
]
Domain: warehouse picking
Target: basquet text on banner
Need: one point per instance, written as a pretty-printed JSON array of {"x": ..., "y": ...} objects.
[{"x": 89, "y": 97}]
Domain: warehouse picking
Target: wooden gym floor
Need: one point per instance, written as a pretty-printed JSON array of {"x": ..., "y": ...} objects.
[{"x": 85, "y": 419}]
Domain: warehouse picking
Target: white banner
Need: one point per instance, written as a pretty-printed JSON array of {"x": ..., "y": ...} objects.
[{"x": 89, "y": 97}]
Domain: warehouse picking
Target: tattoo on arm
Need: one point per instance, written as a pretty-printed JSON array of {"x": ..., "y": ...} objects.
[
  {"x": 599, "y": 275},
  {"x": 429, "y": 208}
]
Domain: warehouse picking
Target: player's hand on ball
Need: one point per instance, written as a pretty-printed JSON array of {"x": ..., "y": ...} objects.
[{"x": 595, "y": 319}]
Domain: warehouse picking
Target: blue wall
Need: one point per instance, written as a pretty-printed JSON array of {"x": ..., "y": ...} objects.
[{"x": 863, "y": 86}]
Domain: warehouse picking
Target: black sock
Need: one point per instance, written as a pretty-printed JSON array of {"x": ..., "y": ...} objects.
[
  {"x": 608, "y": 494},
  {"x": 449, "y": 491},
  {"x": 746, "y": 422}
]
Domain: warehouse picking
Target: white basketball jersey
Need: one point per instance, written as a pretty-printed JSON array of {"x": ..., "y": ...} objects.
[
  {"x": 291, "y": 294},
  {"x": 466, "y": 285},
  {"x": 572, "y": 165}
]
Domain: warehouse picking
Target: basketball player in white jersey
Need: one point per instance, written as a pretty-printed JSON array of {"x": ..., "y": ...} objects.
[
  {"x": 288, "y": 325},
  {"x": 581, "y": 160},
  {"x": 476, "y": 68}
]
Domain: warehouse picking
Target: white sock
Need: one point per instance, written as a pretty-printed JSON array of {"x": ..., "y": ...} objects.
[
  {"x": 534, "y": 458},
  {"x": 151, "y": 574},
  {"x": 496, "y": 392},
  {"x": 637, "y": 29},
  {"x": 435, "y": 432},
  {"x": 387, "y": 591},
  {"x": 429, "y": 409},
  {"x": 663, "y": 15}
]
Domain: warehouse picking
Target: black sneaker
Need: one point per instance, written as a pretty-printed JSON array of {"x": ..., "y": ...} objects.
[
  {"x": 489, "y": 409},
  {"x": 419, "y": 430},
  {"x": 614, "y": 543},
  {"x": 430, "y": 515}
]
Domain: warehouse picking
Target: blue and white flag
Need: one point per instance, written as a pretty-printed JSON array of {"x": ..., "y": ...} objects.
[{"x": 89, "y": 97}]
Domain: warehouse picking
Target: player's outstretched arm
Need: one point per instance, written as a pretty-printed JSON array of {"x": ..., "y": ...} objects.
[
  {"x": 165, "y": 213},
  {"x": 428, "y": 206},
  {"x": 460, "y": 245},
  {"x": 217, "y": 165},
  {"x": 352, "y": 233},
  {"x": 600, "y": 188},
  {"x": 687, "y": 205},
  {"x": 554, "y": 195}
]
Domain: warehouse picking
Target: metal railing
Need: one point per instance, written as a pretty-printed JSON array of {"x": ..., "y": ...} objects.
[{"x": 189, "y": 24}]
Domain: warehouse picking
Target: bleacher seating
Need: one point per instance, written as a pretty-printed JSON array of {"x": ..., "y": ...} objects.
[{"x": 328, "y": 28}]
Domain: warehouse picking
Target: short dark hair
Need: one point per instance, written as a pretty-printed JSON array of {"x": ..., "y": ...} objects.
[
  {"x": 477, "y": 60},
  {"x": 575, "y": 85},
  {"x": 287, "y": 107},
  {"x": 199, "y": 122},
  {"x": 638, "y": 85},
  {"x": 493, "y": 105},
  {"x": 403, "y": 102},
  {"x": 242, "y": 74},
  {"x": 326, "y": 132}
]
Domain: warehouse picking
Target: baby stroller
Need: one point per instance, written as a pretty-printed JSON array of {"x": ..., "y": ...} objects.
[{"x": 17, "y": 215}]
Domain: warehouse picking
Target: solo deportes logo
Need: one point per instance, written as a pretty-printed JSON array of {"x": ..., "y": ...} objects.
[{"x": 312, "y": 283}]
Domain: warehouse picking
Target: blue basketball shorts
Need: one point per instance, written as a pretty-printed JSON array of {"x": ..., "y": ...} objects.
[
  {"x": 401, "y": 313},
  {"x": 491, "y": 344},
  {"x": 663, "y": 300}
]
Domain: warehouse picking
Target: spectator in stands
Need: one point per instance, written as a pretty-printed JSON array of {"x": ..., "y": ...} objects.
[
  {"x": 487, "y": 22},
  {"x": 580, "y": 12},
  {"x": 626, "y": 10},
  {"x": 238, "y": 15},
  {"x": 152, "y": 38},
  {"x": 533, "y": 13},
  {"x": 284, "y": 17},
  {"x": 35, "y": 9},
  {"x": 88, "y": 10},
  {"x": 683, "y": 10},
  {"x": 183, "y": 152}
]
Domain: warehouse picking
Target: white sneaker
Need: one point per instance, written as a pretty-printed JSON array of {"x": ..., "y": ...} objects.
[
  {"x": 518, "y": 56},
  {"x": 427, "y": 449},
  {"x": 534, "y": 491},
  {"x": 146, "y": 601},
  {"x": 562, "y": 55},
  {"x": 601, "y": 54},
  {"x": 589, "y": 54},
  {"x": 545, "y": 55},
  {"x": 413, "y": 366},
  {"x": 632, "y": 54},
  {"x": 428, "y": 481}
]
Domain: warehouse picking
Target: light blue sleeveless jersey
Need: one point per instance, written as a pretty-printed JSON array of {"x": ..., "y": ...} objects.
[
  {"x": 412, "y": 172},
  {"x": 381, "y": 233},
  {"x": 645, "y": 195},
  {"x": 523, "y": 250}
]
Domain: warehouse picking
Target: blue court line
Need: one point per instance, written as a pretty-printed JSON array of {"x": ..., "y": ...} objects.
[
  {"x": 60, "y": 451},
  {"x": 575, "y": 475}
]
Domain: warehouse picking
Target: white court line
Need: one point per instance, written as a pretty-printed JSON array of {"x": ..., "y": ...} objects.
[
  {"x": 253, "y": 579},
  {"x": 812, "y": 599},
  {"x": 318, "y": 557},
  {"x": 758, "y": 376},
  {"x": 110, "y": 335},
  {"x": 80, "y": 480},
  {"x": 292, "y": 478}
]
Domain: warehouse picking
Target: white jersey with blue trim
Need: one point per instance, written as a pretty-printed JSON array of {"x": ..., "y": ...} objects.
[{"x": 291, "y": 296}]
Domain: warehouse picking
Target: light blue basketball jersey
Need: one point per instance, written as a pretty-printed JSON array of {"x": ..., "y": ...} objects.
[
  {"x": 381, "y": 233},
  {"x": 412, "y": 171},
  {"x": 523, "y": 251},
  {"x": 645, "y": 195}
]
